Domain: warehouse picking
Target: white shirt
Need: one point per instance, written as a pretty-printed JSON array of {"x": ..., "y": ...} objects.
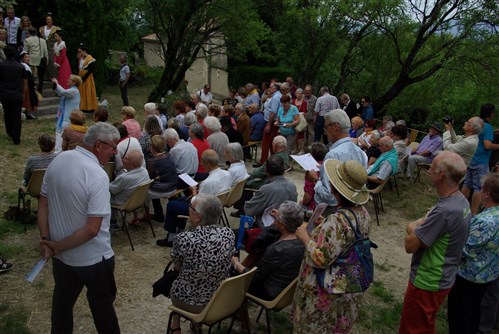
[
  {"x": 12, "y": 26},
  {"x": 217, "y": 182},
  {"x": 206, "y": 98},
  {"x": 238, "y": 172},
  {"x": 77, "y": 187}
]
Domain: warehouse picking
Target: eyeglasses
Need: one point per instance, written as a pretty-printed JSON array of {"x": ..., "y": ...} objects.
[
  {"x": 114, "y": 147},
  {"x": 193, "y": 208},
  {"x": 327, "y": 125}
]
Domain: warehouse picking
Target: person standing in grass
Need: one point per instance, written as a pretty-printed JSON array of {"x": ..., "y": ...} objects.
[
  {"x": 479, "y": 267},
  {"x": 74, "y": 218},
  {"x": 436, "y": 242}
]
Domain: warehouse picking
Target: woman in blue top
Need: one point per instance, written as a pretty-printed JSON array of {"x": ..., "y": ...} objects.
[{"x": 288, "y": 117}]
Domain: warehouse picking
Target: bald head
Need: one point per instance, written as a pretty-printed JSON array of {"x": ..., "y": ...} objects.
[
  {"x": 385, "y": 144},
  {"x": 279, "y": 143},
  {"x": 133, "y": 159},
  {"x": 209, "y": 159},
  {"x": 452, "y": 165}
]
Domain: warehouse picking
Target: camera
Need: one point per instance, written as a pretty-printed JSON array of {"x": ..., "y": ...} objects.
[{"x": 448, "y": 119}]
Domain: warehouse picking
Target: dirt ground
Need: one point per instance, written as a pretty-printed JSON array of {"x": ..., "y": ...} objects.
[{"x": 137, "y": 270}]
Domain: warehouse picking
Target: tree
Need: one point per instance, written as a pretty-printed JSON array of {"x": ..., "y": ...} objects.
[
  {"x": 438, "y": 30},
  {"x": 188, "y": 29}
]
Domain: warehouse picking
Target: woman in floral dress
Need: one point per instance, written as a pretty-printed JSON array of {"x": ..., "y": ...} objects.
[{"x": 314, "y": 309}]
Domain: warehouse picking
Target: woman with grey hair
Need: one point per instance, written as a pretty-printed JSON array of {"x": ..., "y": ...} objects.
[
  {"x": 280, "y": 264},
  {"x": 196, "y": 137},
  {"x": 189, "y": 119},
  {"x": 235, "y": 156},
  {"x": 217, "y": 139},
  {"x": 201, "y": 255}
]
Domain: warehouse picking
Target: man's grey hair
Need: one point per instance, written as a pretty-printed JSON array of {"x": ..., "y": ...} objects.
[
  {"x": 171, "y": 133},
  {"x": 389, "y": 125},
  {"x": 299, "y": 90},
  {"x": 101, "y": 131},
  {"x": 276, "y": 85},
  {"x": 198, "y": 130},
  {"x": 212, "y": 123},
  {"x": 387, "y": 118},
  {"x": 249, "y": 87},
  {"x": 280, "y": 141},
  {"x": 375, "y": 134},
  {"x": 400, "y": 122},
  {"x": 477, "y": 124},
  {"x": 339, "y": 116},
  {"x": 202, "y": 111},
  {"x": 291, "y": 215},
  {"x": 285, "y": 85},
  {"x": 453, "y": 166},
  {"x": 209, "y": 208},
  {"x": 150, "y": 108},
  {"x": 324, "y": 89},
  {"x": 239, "y": 106},
  {"x": 236, "y": 151},
  {"x": 190, "y": 118}
]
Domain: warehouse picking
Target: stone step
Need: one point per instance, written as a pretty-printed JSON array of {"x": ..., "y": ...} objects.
[
  {"x": 49, "y": 100},
  {"x": 48, "y": 110}
]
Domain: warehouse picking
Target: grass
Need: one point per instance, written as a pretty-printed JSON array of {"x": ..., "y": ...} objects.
[{"x": 13, "y": 320}]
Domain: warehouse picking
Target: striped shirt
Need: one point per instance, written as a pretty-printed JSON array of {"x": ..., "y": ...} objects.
[
  {"x": 325, "y": 104},
  {"x": 185, "y": 157},
  {"x": 37, "y": 161}
]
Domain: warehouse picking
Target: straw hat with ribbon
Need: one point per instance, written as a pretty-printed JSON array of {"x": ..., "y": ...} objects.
[{"x": 349, "y": 178}]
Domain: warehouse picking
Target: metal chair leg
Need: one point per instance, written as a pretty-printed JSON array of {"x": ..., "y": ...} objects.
[
  {"x": 376, "y": 209},
  {"x": 259, "y": 314},
  {"x": 125, "y": 227},
  {"x": 267, "y": 315},
  {"x": 396, "y": 186},
  {"x": 150, "y": 222}
]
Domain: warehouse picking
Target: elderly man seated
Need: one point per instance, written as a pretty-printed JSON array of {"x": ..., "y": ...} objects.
[
  {"x": 218, "y": 181},
  {"x": 183, "y": 154},
  {"x": 40, "y": 160},
  {"x": 385, "y": 166},
  {"x": 276, "y": 189},
  {"x": 125, "y": 183},
  {"x": 426, "y": 150},
  {"x": 259, "y": 175},
  {"x": 465, "y": 145}
]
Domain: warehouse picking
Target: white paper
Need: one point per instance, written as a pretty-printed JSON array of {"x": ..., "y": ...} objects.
[
  {"x": 36, "y": 270},
  {"x": 267, "y": 218},
  {"x": 306, "y": 161},
  {"x": 187, "y": 179}
]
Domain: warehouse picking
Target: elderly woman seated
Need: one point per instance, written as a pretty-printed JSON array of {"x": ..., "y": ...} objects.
[
  {"x": 73, "y": 135},
  {"x": 202, "y": 257},
  {"x": 280, "y": 264},
  {"x": 237, "y": 169},
  {"x": 41, "y": 160}
]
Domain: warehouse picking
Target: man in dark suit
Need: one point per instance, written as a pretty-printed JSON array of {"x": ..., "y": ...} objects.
[
  {"x": 348, "y": 105},
  {"x": 12, "y": 78}
]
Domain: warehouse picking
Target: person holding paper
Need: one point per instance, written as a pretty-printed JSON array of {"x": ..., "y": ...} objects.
[
  {"x": 73, "y": 218},
  {"x": 276, "y": 190},
  {"x": 319, "y": 151},
  {"x": 218, "y": 181}
]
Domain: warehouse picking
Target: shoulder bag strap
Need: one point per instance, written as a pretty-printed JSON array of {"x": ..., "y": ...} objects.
[
  {"x": 124, "y": 153},
  {"x": 356, "y": 231}
]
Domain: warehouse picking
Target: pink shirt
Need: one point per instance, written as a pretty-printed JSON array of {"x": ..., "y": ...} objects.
[{"x": 133, "y": 128}]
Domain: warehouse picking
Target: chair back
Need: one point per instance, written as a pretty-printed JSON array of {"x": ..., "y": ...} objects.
[
  {"x": 228, "y": 297},
  {"x": 378, "y": 189},
  {"x": 413, "y": 144},
  {"x": 35, "y": 182},
  {"x": 109, "y": 168},
  {"x": 235, "y": 193},
  {"x": 138, "y": 197},
  {"x": 223, "y": 196},
  {"x": 285, "y": 298}
]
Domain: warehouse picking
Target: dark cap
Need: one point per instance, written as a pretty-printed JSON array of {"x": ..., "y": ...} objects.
[{"x": 437, "y": 126}]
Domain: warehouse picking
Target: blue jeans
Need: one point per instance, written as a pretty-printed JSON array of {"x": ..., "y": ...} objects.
[{"x": 173, "y": 209}]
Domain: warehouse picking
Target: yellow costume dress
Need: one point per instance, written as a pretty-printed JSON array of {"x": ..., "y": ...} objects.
[{"x": 87, "y": 88}]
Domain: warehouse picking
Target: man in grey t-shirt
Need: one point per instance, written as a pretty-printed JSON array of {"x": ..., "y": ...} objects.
[{"x": 436, "y": 242}]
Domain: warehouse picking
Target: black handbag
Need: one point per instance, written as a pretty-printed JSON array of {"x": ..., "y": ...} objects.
[{"x": 164, "y": 284}]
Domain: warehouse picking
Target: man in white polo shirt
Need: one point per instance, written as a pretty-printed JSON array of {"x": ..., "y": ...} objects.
[{"x": 73, "y": 218}]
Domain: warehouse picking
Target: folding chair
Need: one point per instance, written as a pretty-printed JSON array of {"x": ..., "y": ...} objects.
[
  {"x": 421, "y": 166},
  {"x": 232, "y": 197},
  {"x": 284, "y": 299},
  {"x": 225, "y": 302},
  {"x": 378, "y": 201},
  {"x": 33, "y": 189},
  {"x": 134, "y": 202}
]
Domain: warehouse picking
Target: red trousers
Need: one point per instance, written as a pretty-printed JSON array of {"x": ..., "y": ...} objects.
[
  {"x": 420, "y": 310},
  {"x": 267, "y": 143}
]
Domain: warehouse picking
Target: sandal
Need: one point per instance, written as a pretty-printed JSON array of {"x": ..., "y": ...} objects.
[{"x": 5, "y": 266}]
